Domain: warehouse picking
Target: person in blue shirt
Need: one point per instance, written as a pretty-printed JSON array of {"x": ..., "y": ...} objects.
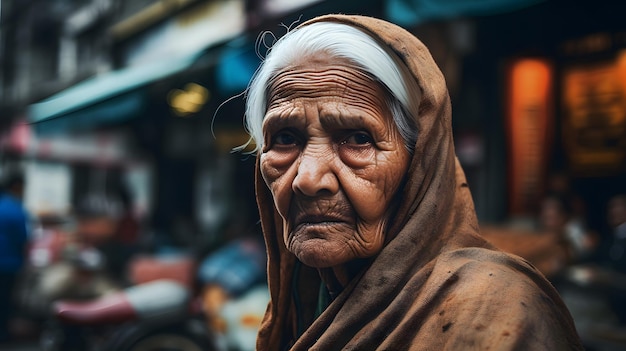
[{"x": 13, "y": 239}]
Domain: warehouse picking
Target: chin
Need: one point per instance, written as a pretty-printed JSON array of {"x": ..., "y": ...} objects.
[{"x": 318, "y": 253}]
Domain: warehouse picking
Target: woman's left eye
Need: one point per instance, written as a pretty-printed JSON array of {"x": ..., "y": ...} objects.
[{"x": 358, "y": 138}]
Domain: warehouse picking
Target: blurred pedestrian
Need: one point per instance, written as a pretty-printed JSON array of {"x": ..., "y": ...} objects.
[
  {"x": 14, "y": 228},
  {"x": 128, "y": 226},
  {"x": 616, "y": 218},
  {"x": 560, "y": 217},
  {"x": 98, "y": 226},
  {"x": 613, "y": 256}
]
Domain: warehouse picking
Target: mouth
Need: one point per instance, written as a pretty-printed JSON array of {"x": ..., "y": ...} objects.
[
  {"x": 309, "y": 220},
  {"x": 320, "y": 214}
]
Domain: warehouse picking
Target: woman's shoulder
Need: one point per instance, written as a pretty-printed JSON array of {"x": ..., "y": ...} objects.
[
  {"x": 502, "y": 296},
  {"x": 485, "y": 273}
]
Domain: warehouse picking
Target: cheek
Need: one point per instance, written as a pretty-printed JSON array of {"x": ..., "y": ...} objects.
[
  {"x": 374, "y": 188},
  {"x": 356, "y": 157},
  {"x": 278, "y": 173},
  {"x": 368, "y": 197}
]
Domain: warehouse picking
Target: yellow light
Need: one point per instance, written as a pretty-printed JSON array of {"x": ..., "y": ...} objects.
[{"x": 189, "y": 100}]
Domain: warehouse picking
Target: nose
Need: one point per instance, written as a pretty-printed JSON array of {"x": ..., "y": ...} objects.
[{"x": 315, "y": 174}]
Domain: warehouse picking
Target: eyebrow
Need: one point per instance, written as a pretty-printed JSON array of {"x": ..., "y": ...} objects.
[
  {"x": 274, "y": 122},
  {"x": 331, "y": 121},
  {"x": 346, "y": 121}
]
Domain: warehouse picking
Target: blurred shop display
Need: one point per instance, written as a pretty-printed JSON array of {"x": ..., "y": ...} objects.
[
  {"x": 48, "y": 190},
  {"x": 594, "y": 103}
]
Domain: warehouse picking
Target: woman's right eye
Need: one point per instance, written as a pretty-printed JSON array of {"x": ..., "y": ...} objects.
[{"x": 285, "y": 138}]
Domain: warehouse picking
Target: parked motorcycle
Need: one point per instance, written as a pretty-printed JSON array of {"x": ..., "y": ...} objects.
[
  {"x": 155, "y": 316},
  {"x": 175, "y": 304}
]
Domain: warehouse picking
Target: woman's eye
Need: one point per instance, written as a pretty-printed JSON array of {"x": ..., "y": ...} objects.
[
  {"x": 359, "y": 138},
  {"x": 285, "y": 138}
]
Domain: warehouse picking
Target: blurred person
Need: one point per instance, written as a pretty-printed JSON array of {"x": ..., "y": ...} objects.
[
  {"x": 14, "y": 234},
  {"x": 584, "y": 242},
  {"x": 550, "y": 245},
  {"x": 616, "y": 218},
  {"x": 560, "y": 218},
  {"x": 125, "y": 242},
  {"x": 559, "y": 182},
  {"x": 104, "y": 223},
  {"x": 616, "y": 255},
  {"x": 371, "y": 235},
  {"x": 128, "y": 226}
]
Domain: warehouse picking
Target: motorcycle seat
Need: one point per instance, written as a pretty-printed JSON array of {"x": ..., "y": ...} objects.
[
  {"x": 113, "y": 308},
  {"x": 159, "y": 299}
]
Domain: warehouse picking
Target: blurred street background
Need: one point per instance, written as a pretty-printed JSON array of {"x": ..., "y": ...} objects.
[{"x": 118, "y": 121}]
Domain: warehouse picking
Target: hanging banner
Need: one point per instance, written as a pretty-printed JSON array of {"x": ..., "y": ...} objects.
[{"x": 530, "y": 123}]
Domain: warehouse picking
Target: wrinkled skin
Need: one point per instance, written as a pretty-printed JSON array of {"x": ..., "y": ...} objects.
[{"x": 333, "y": 160}]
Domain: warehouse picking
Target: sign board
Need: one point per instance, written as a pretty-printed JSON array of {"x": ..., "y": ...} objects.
[{"x": 594, "y": 116}]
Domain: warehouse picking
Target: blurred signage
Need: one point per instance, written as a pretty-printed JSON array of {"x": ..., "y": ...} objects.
[
  {"x": 48, "y": 188},
  {"x": 530, "y": 118},
  {"x": 594, "y": 120},
  {"x": 99, "y": 148}
]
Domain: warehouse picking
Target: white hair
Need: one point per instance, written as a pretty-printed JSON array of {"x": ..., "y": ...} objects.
[{"x": 341, "y": 41}]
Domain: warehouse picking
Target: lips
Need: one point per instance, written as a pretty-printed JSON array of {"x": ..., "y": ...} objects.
[
  {"x": 307, "y": 220},
  {"x": 306, "y": 214}
]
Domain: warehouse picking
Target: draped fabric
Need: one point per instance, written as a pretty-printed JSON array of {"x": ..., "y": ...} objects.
[{"x": 436, "y": 284}]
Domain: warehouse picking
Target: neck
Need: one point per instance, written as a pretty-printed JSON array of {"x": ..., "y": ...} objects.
[{"x": 338, "y": 277}]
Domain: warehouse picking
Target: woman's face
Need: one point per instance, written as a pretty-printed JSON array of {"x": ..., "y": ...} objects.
[{"x": 333, "y": 160}]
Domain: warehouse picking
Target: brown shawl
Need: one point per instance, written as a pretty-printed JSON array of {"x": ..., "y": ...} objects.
[{"x": 436, "y": 284}]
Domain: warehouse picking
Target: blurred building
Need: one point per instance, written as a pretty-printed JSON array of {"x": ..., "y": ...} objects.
[
  {"x": 145, "y": 94},
  {"x": 110, "y": 95}
]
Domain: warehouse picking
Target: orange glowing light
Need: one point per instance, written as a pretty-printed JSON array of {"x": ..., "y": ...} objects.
[{"x": 530, "y": 119}]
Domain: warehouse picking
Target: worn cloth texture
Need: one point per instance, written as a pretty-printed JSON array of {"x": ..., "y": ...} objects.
[{"x": 436, "y": 284}]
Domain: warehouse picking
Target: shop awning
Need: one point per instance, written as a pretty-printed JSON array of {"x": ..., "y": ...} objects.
[
  {"x": 111, "y": 97},
  {"x": 236, "y": 66},
  {"x": 414, "y": 12}
]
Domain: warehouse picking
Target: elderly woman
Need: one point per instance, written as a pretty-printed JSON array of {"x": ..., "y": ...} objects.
[{"x": 372, "y": 238}]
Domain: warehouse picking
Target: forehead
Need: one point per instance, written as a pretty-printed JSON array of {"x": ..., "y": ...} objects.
[{"x": 323, "y": 78}]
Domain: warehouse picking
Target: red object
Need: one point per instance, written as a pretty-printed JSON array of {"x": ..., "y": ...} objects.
[
  {"x": 146, "y": 269},
  {"x": 110, "y": 309}
]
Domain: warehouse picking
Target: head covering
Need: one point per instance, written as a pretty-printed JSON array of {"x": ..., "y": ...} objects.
[{"x": 436, "y": 283}]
